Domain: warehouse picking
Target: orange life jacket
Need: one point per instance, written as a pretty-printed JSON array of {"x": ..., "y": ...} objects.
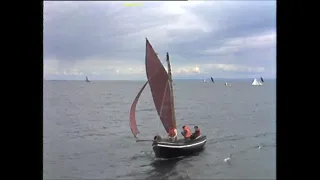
[
  {"x": 172, "y": 132},
  {"x": 187, "y": 132}
]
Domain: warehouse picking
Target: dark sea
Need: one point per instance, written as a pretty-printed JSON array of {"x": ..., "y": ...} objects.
[{"x": 86, "y": 133}]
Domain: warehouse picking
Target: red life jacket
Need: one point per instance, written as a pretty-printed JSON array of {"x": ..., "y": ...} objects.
[{"x": 187, "y": 132}]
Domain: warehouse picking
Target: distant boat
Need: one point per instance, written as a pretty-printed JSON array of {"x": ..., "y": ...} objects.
[
  {"x": 226, "y": 84},
  {"x": 256, "y": 82},
  {"x": 261, "y": 79},
  {"x": 160, "y": 83},
  {"x": 87, "y": 80},
  {"x": 204, "y": 80},
  {"x": 212, "y": 80}
]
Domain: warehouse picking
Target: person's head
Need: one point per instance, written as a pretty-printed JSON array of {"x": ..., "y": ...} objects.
[
  {"x": 156, "y": 137},
  {"x": 196, "y": 127},
  {"x": 183, "y": 127}
]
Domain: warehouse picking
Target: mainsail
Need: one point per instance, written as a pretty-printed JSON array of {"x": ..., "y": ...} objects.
[
  {"x": 261, "y": 79},
  {"x": 160, "y": 84}
]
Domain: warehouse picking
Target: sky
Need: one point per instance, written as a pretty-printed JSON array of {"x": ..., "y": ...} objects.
[{"x": 106, "y": 40}]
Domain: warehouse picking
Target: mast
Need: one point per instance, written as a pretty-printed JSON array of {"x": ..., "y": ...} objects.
[{"x": 171, "y": 92}]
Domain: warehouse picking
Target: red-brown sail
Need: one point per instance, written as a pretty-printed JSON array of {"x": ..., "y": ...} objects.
[
  {"x": 160, "y": 87},
  {"x": 133, "y": 123},
  {"x": 158, "y": 80}
]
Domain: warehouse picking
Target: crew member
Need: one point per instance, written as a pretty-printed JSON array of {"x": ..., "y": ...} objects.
[
  {"x": 157, "y": 138},
  {"x": 196, "y": 133},
  {"x": 186, "y": 132},
  {"x": 172, "y": 134}
]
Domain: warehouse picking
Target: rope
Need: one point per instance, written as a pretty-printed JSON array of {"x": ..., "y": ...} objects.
[{"x": 158, "y": 133}]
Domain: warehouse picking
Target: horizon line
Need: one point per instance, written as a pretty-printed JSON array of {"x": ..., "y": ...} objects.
[{"x": 145, "y": 79}]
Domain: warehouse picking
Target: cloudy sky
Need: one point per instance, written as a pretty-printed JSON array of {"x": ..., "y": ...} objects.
[{"x": 106, "y": 40}]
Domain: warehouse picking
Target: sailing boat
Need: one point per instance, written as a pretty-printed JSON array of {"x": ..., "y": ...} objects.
[
  {"x": 256, "y": 83},
  {"x": 261, "y": 79},
  {"x": 212, "y": 80},
  {"x": 87, "y": 80},
  {"x": 204, "y": 80},
  {"x": 160, "y": 83}
]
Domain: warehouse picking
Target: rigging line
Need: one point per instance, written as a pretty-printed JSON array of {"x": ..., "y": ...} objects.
[{"x": 158, "y": 133}]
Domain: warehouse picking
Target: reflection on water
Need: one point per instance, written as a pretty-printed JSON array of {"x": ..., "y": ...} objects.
[
  {"x": 167, "y": 168},
  {"x": 86, "y": 133},
  {"x": 163, "y": 169}
]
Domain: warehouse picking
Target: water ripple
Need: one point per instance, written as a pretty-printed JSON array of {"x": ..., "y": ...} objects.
[{"x": 87, "y": 134}]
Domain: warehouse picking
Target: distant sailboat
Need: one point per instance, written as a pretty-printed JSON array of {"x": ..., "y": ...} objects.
[
  {"x": 204, "y": 80},
  {"x": 256, "y": 83},
  {"x": 212, "y": 80},
  {"x": 261, "y": 79},
  {"x": 87, "y": 80},
  {"x": 226, "y": 84}
]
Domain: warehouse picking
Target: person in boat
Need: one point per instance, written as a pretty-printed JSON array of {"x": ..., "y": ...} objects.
[
  {"x": 196, "y": 133},
  {"x": 186, "y": 133},
  {"x": 157, "y": 138},
  {"x": 172, "y": 134}
]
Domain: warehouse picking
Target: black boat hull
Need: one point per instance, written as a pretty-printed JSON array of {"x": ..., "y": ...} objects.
[{"x": 163, "y": 149}]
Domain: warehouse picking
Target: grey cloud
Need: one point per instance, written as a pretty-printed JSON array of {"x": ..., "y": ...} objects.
[
  {"x": 92, "y": 30},
  {"x": 81, "y": 30},
  {"x": 234, "y": 21}
]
